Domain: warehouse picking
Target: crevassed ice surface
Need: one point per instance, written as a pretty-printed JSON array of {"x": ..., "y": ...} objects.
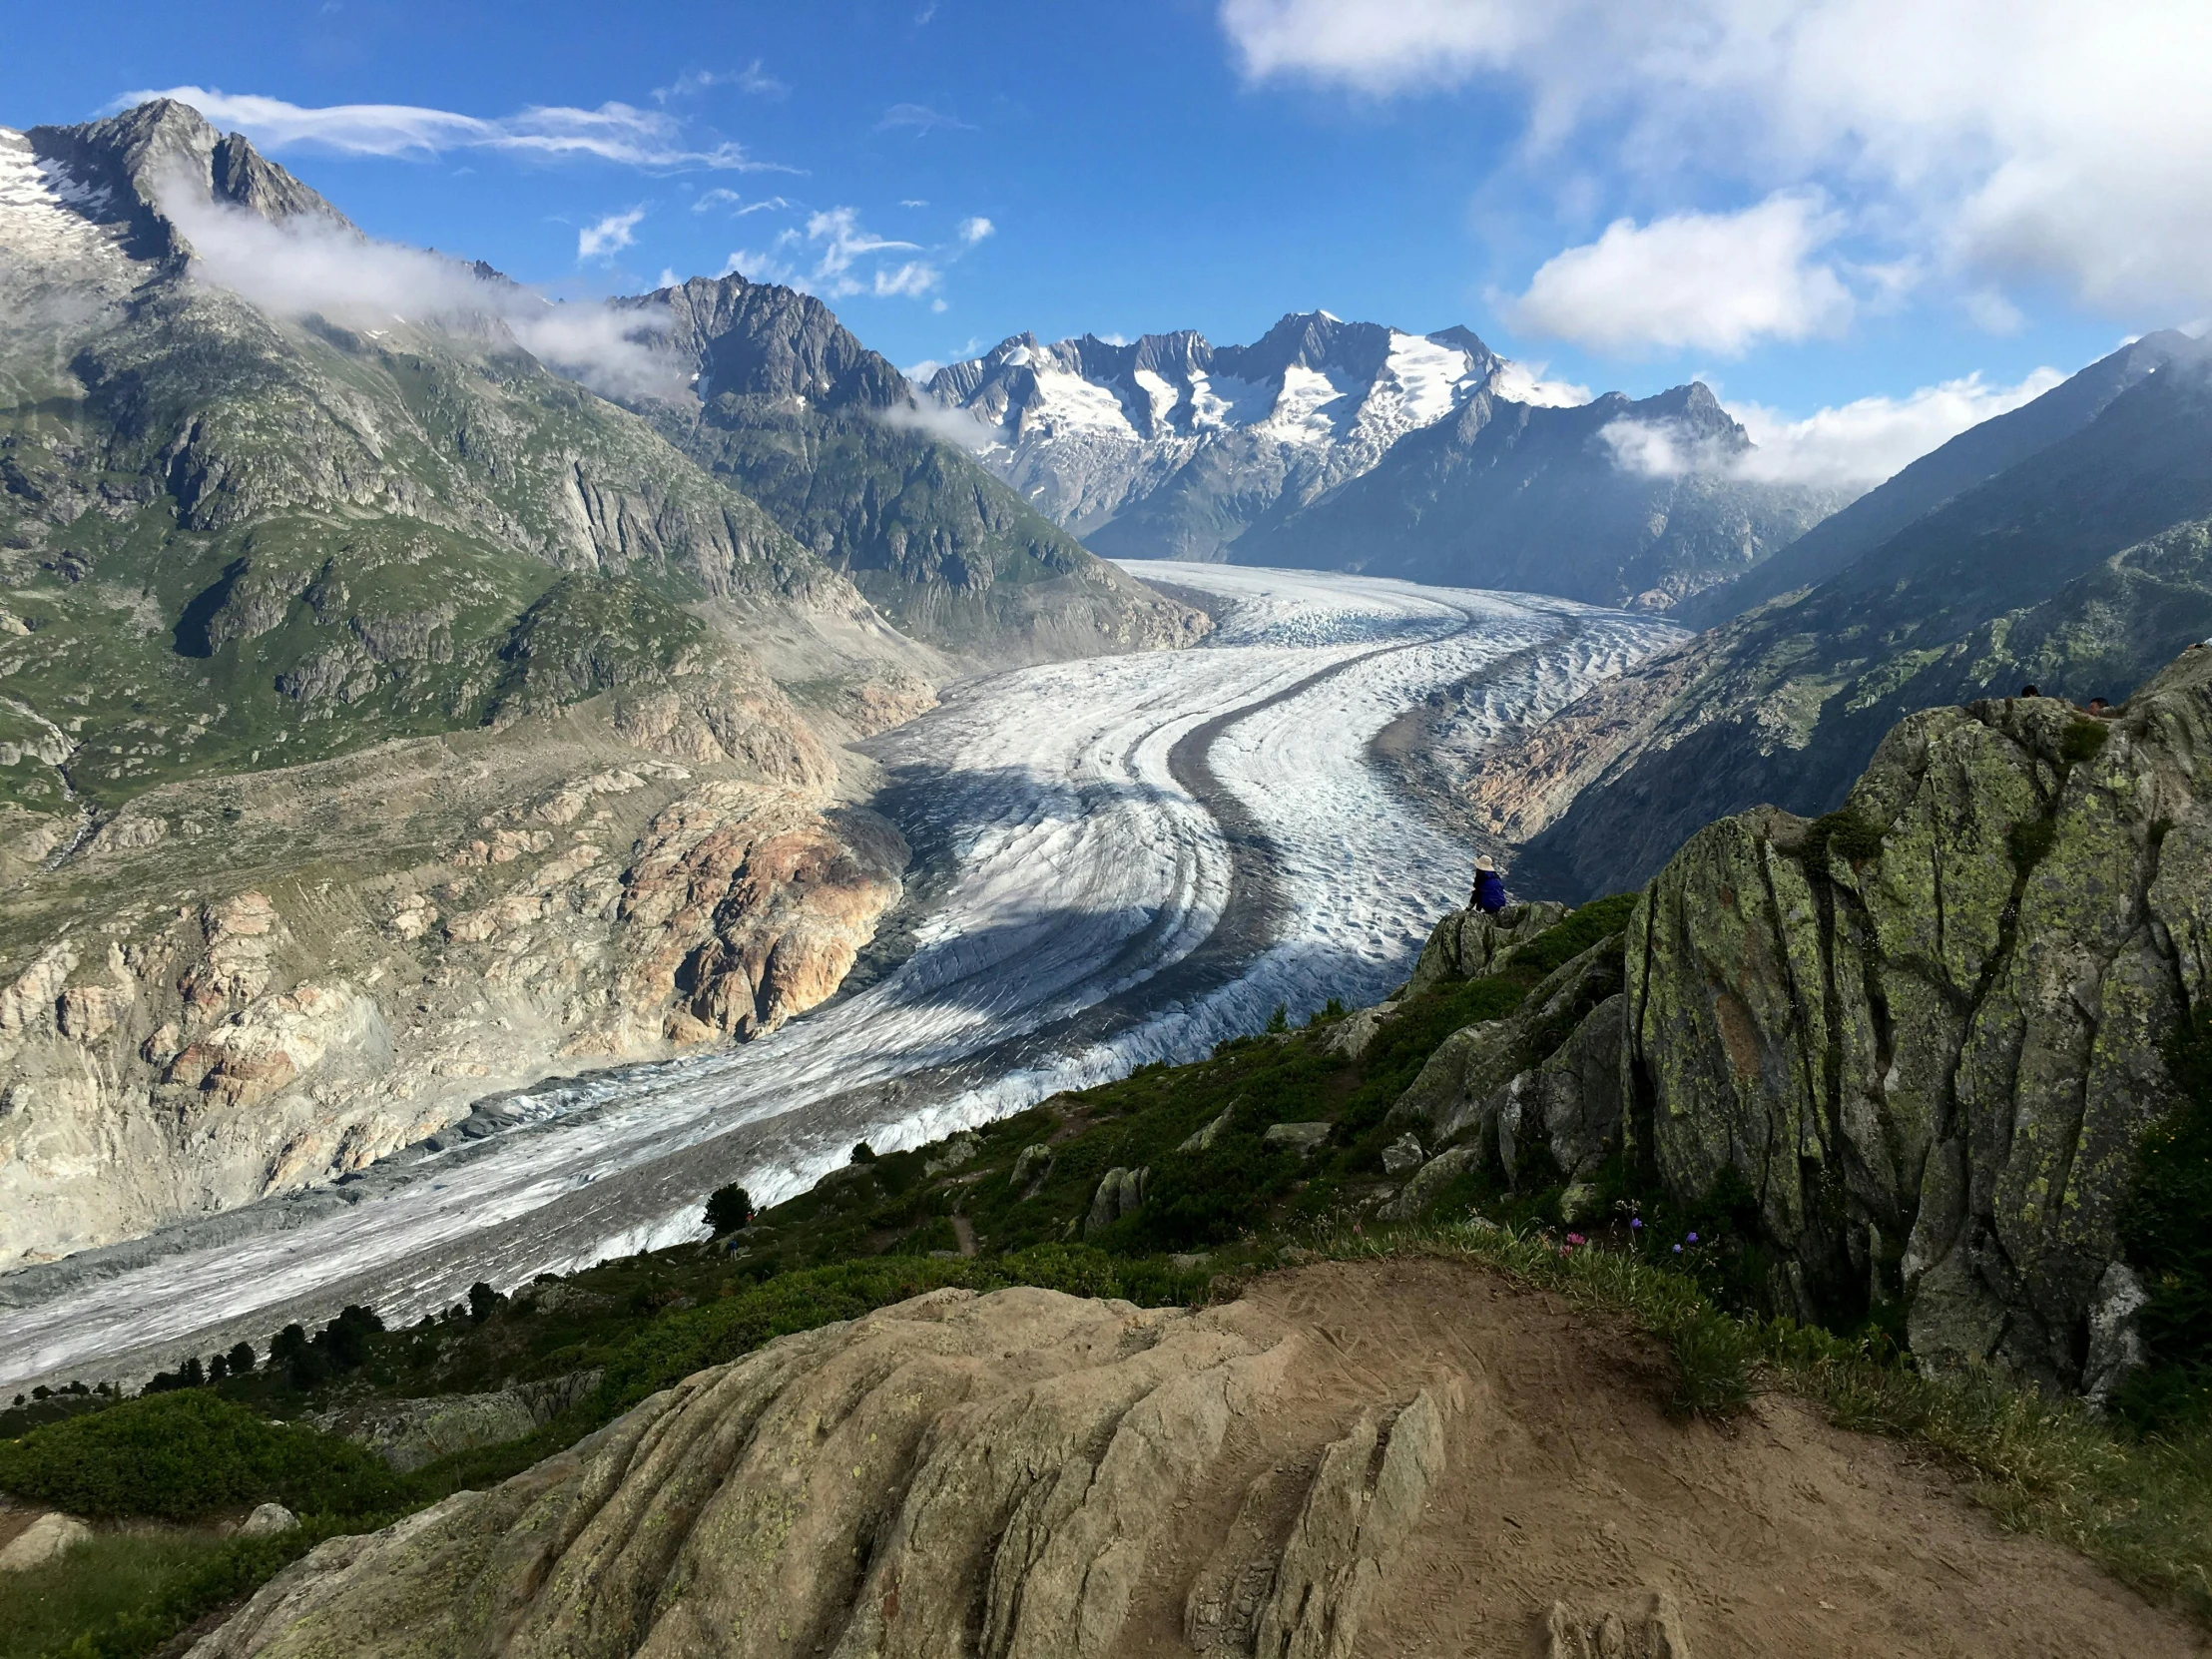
[{"x": 1082, "y": 873}]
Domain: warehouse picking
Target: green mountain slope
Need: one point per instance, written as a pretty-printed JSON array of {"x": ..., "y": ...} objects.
[
  {"x": 227, "y": 536},
  {"x": 2080, "y": 569},
  {"x": 831, "y": 440}
]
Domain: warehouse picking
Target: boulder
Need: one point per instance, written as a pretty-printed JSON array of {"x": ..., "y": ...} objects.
[
  {"x": 1301, "y": 1138},
  {"x": 1120, "y": 1192},
  {"x": 1470, "y": 944},
  {"x": 49, "y": 1536},
  {"x": 267, "y": 1520}
]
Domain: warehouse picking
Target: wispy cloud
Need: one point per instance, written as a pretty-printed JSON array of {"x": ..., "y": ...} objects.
[
  {"x": 973, "y": 231},
  {"x": 750, "y": 79},
  {"x": 614, "y": 132},
  {"x": 836, "y": 257},
  {"x": 607, "y": 235},
  {"x": 737, "y": 204},
  {"x": 921, "y": 119}
]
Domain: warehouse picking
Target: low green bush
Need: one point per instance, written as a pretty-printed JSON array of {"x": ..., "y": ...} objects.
[{"x": 191, "y": 1453}]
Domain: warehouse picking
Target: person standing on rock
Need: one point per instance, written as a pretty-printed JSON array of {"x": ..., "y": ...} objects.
[{"x": 1489, "y": 888}]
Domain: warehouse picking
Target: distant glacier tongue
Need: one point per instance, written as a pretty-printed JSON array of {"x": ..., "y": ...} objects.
[{"x": 1145, "y": 855}]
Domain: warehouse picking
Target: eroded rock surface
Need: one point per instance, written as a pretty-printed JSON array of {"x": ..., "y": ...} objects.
[
  {"x": 483, "y": 918},
  {"x": 995, "y": 1475}
]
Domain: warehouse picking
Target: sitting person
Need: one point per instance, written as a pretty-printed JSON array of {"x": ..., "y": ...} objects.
[{"x": 1489, "y": 888}]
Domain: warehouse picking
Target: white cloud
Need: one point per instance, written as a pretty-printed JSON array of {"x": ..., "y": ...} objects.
[
  {"x": 310, "y": 266},
  {"x": 1525, "y": 383},
  {"x": 919, "y": 119},
  {"x": 612, "y": 131},
  {"x": 847, "y": 259},
  {"x": 915, "y": 202},
  {"x": 1706, "y": 281},
  {"x": 973, "y": 231},
  {"x": 1867, "y": 440},
  {"x": 607, "y": 235},
  {"x": 2067, "y": 140},
  {"x": 1852, "y": 447},
  {"x": 739, "y": 206}
]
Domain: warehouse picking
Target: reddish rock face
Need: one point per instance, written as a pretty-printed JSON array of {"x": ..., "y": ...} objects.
[{"x": 747, "y": 906}]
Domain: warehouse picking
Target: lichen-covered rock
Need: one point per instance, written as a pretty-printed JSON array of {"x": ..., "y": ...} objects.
[
  {"x": 1925, "y": 1038},
  {"x": 1469, "y": 943},
  {"x": 954, "y": 1475},
  {"x": 51, "y": 1535},
  {"x": 1489, "y": 1074}
]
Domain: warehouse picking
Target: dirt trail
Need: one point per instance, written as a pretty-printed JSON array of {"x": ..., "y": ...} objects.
[{"x": 1568, "y": 1481}]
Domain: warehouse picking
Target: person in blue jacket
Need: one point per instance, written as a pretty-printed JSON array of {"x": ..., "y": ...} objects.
[{"x": 1489, "y": 888}]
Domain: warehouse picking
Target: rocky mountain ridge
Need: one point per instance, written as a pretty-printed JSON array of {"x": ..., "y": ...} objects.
[
  {"x": 831, "y": 438},
  {"x": 1173, "y": 447},
  {"x": 1356, "y": 446},
  {"x": 2080, "y": 569}
]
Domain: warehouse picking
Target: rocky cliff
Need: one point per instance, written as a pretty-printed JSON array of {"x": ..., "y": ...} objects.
[
  {"x": 1915, "y": 1044},
  {"x": 249, "y": 985}
]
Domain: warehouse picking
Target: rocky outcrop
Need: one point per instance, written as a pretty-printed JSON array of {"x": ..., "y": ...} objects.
[
  {"x": 1922, "y": 1039},
  {"x": 1012, "y": 1474},
  {"x": 1526, "y": 1090},
  {"x": 409, "y": 1434},
  {"x": 1469, "y": 943}
]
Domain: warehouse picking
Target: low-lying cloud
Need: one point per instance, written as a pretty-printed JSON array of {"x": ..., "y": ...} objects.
[
  {"x": 310, "y": 266},
  {"x": 1854, "y": 445}
]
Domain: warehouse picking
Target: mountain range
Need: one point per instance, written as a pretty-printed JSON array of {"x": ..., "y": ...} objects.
[
  {"x": 1353, "y": 446},
  {"x": 2065, "y": 545}
]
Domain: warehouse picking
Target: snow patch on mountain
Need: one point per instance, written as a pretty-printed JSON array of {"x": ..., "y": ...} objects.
[{"x": 1186, "y": 444}]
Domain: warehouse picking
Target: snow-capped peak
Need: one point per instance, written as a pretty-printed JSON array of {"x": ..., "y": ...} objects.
[{"x": 1094, "y": 432}]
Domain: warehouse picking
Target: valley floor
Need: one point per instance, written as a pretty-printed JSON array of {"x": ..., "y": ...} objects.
[{"x": 1138, "y": 857}]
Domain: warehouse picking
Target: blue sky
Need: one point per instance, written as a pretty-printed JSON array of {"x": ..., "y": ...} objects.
[{"x": 1834, "y": 200}]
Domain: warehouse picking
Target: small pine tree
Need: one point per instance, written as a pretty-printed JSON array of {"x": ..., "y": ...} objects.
[
  {"x": 1279, "y": 1021},
  {"x": 191, "y": 1373},
  {"x": 483, "y": 1302},
  {"x": 242, "y": 1359},
  {"x": 219, "y": 1366},
  {"x": 864, "y": 1154},
  {"x": 729, "y": 1208}
]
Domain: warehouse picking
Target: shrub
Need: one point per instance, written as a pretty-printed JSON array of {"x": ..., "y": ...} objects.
[
  {"x": 2030, "y": 840},
  {"x": 1565, "y": 941},
  {"x": 728, "y": 1209},
  {"x": 1844, "y": 831},
  {"x": 187, "y": 1454},
  {"x": 2083, "y": 741}
]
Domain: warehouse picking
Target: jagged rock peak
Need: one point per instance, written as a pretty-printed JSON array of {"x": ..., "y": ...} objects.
[
  {"x": 162, "y": 144},
  {"x": 762, "y": 340}
]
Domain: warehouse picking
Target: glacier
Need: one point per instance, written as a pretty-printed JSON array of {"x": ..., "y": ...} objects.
[{"x": 1141, "y": 856}]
